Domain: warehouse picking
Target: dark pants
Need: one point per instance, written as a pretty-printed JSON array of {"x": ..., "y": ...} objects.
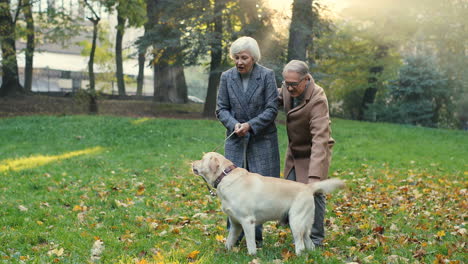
[
  {"x": 258, "y": 234},
  {"x": 318, "y": 229}
]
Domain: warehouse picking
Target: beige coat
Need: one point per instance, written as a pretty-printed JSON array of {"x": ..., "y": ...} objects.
[{"x": 309, "y": 134}]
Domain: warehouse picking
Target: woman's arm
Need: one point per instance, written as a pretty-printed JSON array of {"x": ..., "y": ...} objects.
[
  {"x": 223, "y": 105},
  {"x": 258, "y": 123}
]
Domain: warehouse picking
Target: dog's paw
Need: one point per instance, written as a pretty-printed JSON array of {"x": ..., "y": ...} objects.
[
  {"x": 252, "y": 252},
  {"x": 229, "y": 246}
]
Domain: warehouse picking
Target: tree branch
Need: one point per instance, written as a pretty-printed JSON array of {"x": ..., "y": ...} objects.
[{"x": 94, "y": 13}]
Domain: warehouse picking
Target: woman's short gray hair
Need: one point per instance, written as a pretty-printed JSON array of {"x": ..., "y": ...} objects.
[
  {"x": 245, "y": 44},
  {"x": 297, "y": 66}
]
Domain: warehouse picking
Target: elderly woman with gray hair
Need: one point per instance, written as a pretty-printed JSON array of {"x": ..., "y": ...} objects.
[{"x": 247, "y": 106}]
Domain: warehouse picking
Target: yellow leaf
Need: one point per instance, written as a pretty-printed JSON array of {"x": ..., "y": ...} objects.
[
  {"x": 39, "y": 222},
  {"x": 141, "y": 190},
  {"x": 193, "y": 254},
  {"x": 220, "y": 238},
  {"x": 441, "y": 233},
  {"x": 24, "y": 258},
  {"x": 77, "y": 208}
]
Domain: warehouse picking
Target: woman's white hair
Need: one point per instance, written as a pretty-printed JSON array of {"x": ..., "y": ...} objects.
[
  {"x": 297, "y": 66},
  {"x": 245, "y": 44}
]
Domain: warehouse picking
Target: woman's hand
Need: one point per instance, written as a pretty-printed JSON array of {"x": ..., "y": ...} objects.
[{"x": 242, "y": 129}]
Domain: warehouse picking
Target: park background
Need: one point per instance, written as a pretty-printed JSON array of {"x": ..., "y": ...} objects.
[{"x": 104, "y": 104}]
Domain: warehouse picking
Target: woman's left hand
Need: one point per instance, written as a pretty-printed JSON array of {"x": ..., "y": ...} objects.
[{"x": 243, "y": 129}]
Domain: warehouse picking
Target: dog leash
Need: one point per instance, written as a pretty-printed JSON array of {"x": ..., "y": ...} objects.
[
  {"x": 213, "y": 193},
  {"x": 217, "y": 147}
]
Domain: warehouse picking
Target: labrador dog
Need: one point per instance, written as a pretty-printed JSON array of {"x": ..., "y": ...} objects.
[{"x": 250, "y": 199}]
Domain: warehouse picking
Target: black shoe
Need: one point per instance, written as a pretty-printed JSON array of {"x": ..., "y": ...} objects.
[
  {"x": 319, "y": 246},
  {"x": 259, "y": 243}
]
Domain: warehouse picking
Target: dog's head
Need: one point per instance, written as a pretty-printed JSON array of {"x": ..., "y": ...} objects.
[{"x": 210, "y": 166}]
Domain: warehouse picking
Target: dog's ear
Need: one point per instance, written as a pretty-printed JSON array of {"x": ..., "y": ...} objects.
[{"x": 214, "y": 164}]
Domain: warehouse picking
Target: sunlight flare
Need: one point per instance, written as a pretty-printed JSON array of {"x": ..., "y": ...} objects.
[
  {"x": 140, "y": 120},
  {"x": 39, "y": 160}
]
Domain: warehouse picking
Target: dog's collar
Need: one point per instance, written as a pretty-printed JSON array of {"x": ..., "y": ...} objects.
[{"x": 225, "y": 172}]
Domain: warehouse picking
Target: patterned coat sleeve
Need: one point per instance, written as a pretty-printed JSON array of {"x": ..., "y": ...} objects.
[
  {"x": 223, "y": 106},
  {"x": 268, "y": 116}
]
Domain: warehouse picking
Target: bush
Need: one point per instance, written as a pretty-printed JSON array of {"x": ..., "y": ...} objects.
[{"x": 419, "y": 96}]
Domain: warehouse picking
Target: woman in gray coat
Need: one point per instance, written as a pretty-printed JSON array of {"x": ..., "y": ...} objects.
[{"x": 247, "y": 105}]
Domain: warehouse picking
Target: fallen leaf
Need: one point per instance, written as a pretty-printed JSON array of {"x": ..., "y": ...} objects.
[
  {"x": 22, "y": 208},
  {"x": 220, "y": 238},
  {"x": 96, "y": 250},
  {"x": 55, "y": 251},
  {"x": 193, "y": 255},
  {"x": 286, "y": 254},
  {"x": 141, "y": 190},
  {"x": 396, "y": 259}
]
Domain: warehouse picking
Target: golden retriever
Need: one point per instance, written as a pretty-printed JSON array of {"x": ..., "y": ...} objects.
[{"x": 250, "y": 199}]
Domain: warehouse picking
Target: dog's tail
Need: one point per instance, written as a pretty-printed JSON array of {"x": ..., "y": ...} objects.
[{"x": 327, "y": 186}]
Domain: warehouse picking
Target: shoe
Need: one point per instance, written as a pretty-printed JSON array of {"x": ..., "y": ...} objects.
[
  {"x": 319, "y": 246},
  {"x": 259, "y": 243}
]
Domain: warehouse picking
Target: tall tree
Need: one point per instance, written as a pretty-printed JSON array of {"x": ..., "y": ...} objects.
[
  {"x": 130, "y": 13},
  {"x": 94, "y": 18},
  {"x": 300, "y": 31},
  {"x": 30, "y": 45},
  {"x": 168, "y": 51},
  {"x": 10, "y": 78},
  {"x": 121, "y": 21},
  {"x": 370, "y": 93},
  {"x": 216, "y": 58}
]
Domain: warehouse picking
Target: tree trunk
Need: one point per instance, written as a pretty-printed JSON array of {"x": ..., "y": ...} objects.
[
  {"x": 150, "y": 6},
  {"x": 118, "y": 53},
  {"x": 371, "y": 91},
  {"x": 92, "y": 81},
  {"x": 250, "y": 21},
  {"x": 141, "y": 72},
  {"x": 215, "y": 64},
  {"x": 300, "y": 31},
  {"x": 10, "y": 77},
  {"x": 169, "y": 79},
  {"x": 28, "y": 72}
]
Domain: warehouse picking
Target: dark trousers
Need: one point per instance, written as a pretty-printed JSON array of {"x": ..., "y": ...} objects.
[
  {"x": 318, "y": 228},
  {"x": 258, "y": 234}
]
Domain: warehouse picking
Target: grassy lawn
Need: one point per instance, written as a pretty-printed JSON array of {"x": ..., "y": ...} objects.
[{"x": 67, "y": 182}]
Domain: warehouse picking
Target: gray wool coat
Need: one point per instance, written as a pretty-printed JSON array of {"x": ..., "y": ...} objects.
[{"x": 258, "y": 107}]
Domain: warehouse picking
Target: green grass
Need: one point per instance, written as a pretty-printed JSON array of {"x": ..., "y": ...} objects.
[{"x": 131, "y": 186}]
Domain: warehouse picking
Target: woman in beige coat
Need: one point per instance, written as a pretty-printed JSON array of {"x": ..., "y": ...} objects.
[{"x": 309, "y": 134}]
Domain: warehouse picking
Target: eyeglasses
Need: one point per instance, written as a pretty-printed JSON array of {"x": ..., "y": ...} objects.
[{"x": 292, "y": 84}]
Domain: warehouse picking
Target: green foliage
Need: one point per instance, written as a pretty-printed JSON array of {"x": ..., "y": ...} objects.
[
  {"x": 419, "y": 96},
  {"x": 104, "y": 58},
  {"x": 344, "y": 60},
  {"x": 422, "y": 26},
  {"x": 55, "y": 25},
  {"x": 128, "y": 183}
]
